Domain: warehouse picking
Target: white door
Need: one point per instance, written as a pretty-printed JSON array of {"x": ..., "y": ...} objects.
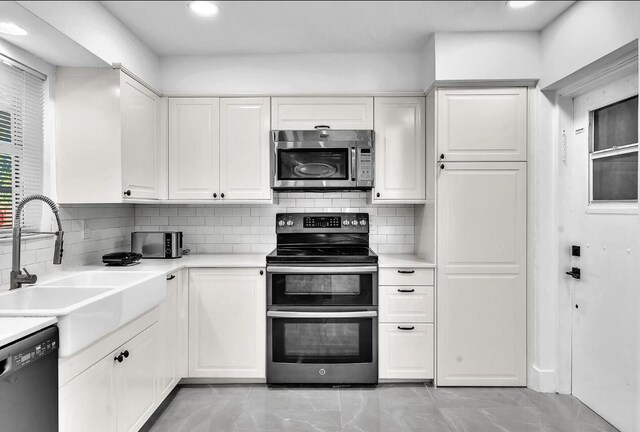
[
  {"x": 400, "y": 149},
  {"x": 244, "y": 148},
  {"x": 136, "y": 377},
  {"x": 194, "y": 137},
  {"x": 227, "y": 323},
  {"x": 88, "y": 402},
  {"x": 605, "y": 299},
  {"x": 304, "y": 113},
  {"x": 481, "y": 288},
  {"x": 141, "y": 144},
  {"x": 482, "y": 124}
]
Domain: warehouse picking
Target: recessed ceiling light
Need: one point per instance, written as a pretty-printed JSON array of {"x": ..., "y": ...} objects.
[
  {"x": 519, "y": 4},
  {"x": 12, "y": 29},
  {"x": 204, "y": 8}
]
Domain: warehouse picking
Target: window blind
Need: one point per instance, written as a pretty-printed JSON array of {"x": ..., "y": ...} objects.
[{"x": 21, "y": 143}]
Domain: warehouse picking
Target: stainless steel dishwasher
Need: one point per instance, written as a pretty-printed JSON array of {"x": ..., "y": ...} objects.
[{"x": 29, "y": 383}]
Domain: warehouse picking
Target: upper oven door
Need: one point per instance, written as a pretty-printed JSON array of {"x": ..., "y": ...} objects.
[
  {"x": 313, "y": 164},
  {"x": 329, "y": 286}
]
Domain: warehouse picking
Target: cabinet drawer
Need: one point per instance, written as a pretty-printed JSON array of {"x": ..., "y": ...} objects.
[
  {"x": 406, "y": 276},
  {"x": 406, "y": 304},
  {"x": 406, "y": 351}
]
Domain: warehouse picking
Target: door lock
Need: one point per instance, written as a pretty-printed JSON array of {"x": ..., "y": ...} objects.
[{"x": 574, "y": 273}]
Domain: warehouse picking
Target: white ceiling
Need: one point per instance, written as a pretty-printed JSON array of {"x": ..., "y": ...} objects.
[{"x": 265, "y": 27}]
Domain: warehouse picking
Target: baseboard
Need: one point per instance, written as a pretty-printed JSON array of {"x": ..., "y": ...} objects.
[
  {"x": 542, "y": 380},
  {"x": 223, "y": 381}
]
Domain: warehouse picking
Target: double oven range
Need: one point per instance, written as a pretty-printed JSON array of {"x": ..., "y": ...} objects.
[{"x": 322, "y": 301}]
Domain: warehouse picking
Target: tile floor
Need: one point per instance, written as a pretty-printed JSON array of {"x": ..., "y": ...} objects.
[{"x": 392, "y": 408}]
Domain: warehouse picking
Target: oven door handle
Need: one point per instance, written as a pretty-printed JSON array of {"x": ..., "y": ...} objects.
[
  {"x": 321, "y": 270},
  {"x": 357, "y": 314}
]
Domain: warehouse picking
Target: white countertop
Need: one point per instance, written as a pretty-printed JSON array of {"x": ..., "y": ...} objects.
[
  {"x": 14, "y": 328},
  {"x": 403, "y": 260}
]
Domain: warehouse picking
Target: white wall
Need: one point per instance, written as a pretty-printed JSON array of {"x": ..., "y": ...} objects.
[
  {"x": 95, "y": 28},
  {"x": 429, "y": 62},
  {"x": 584, "y": 33},
  {"x": 292, "y": 74},
  {"x": 473, "y": 56}
]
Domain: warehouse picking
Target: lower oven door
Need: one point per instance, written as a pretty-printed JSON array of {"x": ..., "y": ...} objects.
[{"x": 322, "y": 347}]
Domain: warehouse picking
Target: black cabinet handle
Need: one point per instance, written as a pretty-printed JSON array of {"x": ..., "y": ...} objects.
[
  {"x": 215, "y": 195},
  {"x": 322, "y": 127},
  {"x": 222, "y": 195},
  {"x": 261, "y": 272},
  {"x": 119, "y": 358},
  {"x": 127, "y": 192},
  {"x": 441, "y": 166},
  {"x": 172, "y": 277},
  {"x": 406, "y": 271},
  {"x": 406, "y": 290},
  {"x": 406, "y": 327},
  {"x": 441, "y": 156},
  {"x": 574, "y": 273},
  {"x": 378, "y": 195},
  {"x": 126, "y": 354}
]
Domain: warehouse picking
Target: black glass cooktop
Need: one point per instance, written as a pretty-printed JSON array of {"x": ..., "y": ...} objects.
[{"x": 342, "y": 254}]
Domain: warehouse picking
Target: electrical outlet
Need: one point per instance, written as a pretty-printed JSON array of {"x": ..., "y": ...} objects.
[{"x": 86, "y": 233}]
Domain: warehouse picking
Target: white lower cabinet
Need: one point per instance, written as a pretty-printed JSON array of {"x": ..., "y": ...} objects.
[
  {"x": 406, "y": 328},
  {"x": 406, "y": 351},
  {"x": 227, "y": 323},
  {"x": 113, "y": 395}
]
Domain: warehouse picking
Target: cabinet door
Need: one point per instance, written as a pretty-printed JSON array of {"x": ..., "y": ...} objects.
[
  {"x": 182, "y": 326},
  {"x": 88, "y": 402},
  {"x": 406, "y": 304},
  {"x": 194, "y": 127},
  {"x": 400, "y": 149},
  {"x": 300, "y": 113},
  {"x": 244, "y": 148},
  {"x": 482, "y": 124},
  {"x": 141, "y": 143},
  {"x": 481, "y": 301},
  {"x": 227, "y": 323},
  {"x": 136, "y": 381},
  {"x": 406, "y": 351},
  {"x": 168, "y": 350}
]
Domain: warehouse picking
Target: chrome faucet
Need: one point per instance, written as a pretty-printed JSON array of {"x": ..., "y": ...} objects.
[{"x": 17, "y": 277}]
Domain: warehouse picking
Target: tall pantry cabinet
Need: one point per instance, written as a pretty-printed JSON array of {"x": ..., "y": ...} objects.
[{"x": 481, "y": 244}]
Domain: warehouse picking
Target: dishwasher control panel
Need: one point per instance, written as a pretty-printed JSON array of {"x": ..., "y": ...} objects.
[{"x": 33, "y": 353}]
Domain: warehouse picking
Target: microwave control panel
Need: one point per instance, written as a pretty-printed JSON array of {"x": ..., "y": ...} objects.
[{"x": 365, "y": 168}]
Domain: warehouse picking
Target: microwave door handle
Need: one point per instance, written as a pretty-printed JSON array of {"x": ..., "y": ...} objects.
[{"x": 353, "y": 164}]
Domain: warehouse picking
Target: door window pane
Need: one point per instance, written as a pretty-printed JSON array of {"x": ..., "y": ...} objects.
[
  {"x": 322, "y": 284},
  {"x": 616, "y": 125},
  {"x": 615, "y": 178}
]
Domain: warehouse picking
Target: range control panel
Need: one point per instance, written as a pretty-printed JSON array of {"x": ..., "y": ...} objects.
[{"x": 322, "y": 222}]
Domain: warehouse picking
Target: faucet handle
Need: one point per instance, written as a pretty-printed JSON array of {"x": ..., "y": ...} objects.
[
  {"x": 24, "y": 269},
  {"x": 29, "y": 277}
]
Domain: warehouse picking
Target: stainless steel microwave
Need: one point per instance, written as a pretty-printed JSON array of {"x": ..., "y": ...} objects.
[{"x": 322, "y": 159}]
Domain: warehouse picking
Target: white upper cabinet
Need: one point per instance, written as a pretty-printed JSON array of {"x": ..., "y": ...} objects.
[
  {"x": 303, "y": 113},
  {"x": 194, "y": 129},
  {"x": 244, "y": 148},
  {"x": 109, "y": 145},
  {"x": 400, "y": 149},
  {"x": 482, "y": 124}
]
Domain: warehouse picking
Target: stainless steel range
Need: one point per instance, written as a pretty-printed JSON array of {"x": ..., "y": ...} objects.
[{"x": 322, "y": 301}]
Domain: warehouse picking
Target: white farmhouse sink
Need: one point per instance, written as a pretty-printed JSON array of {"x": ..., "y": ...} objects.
[{"x": 88, "y": 305}]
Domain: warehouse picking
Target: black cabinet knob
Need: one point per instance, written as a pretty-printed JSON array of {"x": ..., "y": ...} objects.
[
  {"x": 215, "y": 195},
  {"x": 441, "y": 166},
  {"x": 378, "y": 195},
  {"x": 126, "y": 354},
  {"x": 222, "y": 195},
  {"x": 119, "y": 358},
  {"x": 441, "y": 156},
  {"x": 127, "y": 192},
  {"x": 261, "y": 272}
]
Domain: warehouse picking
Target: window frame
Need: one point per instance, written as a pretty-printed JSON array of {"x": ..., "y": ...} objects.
[{"x": 605, "y": 206}]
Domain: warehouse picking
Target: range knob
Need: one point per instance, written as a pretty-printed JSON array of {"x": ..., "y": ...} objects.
[
  {"x": 289, "y": 223},
  {"x": 363, "y": 222},
  {"x": 345, "y": 222},
  {"x": 354, "y": 222},
  {"x": 280, "y": 223}
]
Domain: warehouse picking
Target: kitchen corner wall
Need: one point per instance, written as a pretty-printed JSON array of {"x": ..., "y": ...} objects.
[
  {"x": 108, "y": 228},
  {"x": 251, "y": 228}
]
